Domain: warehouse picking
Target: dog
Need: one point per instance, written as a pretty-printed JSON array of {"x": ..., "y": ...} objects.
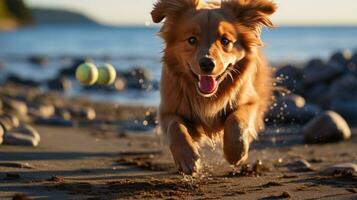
[{"x": 215, "y": 80}]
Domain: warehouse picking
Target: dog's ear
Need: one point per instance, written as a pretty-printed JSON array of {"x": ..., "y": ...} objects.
[
  {"x": 171, "y": 8},
  {"x": 251, "y": 13}
]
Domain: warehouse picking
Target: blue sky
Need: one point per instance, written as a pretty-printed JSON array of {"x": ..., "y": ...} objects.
[{"x": 136, "y": 12}]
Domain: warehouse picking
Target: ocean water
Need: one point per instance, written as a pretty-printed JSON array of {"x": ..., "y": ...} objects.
[{"x": 128, "y": 47}]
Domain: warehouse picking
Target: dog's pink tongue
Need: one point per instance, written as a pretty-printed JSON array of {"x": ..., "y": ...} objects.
[{"x": 207, "y": 84}]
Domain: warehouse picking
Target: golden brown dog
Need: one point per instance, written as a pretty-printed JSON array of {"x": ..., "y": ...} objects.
[{"x": 214, "y": 79}]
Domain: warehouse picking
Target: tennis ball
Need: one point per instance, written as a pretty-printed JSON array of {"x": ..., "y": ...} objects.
[
  {"x": 87, "y": 73},
  {"x": 107, "y": 74}
]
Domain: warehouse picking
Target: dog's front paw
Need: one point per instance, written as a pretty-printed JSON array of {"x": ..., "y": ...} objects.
[
  {"x": 236, "y": 147},
  {"x": 186, "y": 158}
]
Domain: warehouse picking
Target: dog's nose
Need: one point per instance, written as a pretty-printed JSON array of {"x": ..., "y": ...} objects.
[{"x": 207, "y": 64}]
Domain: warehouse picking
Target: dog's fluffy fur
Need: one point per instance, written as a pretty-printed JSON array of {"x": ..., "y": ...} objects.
[{"x": 236, "y": 109}]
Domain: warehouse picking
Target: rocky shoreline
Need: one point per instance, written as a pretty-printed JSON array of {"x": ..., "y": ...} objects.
[{"x": 101, "y": 150}]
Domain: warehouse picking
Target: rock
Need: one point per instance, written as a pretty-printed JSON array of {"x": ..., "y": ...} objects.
[
  {"x": 138, "y": 78},
  {"x": 59, "y": 84},
  {"x": 54, "y": 121},
  {"x": 300, "y": 166},
  {"x": 342, "y": 58},
  {"x": 15, "y": 106},
  {"x": 325, "y": 128},
  {"x": 346, "y": 108},
  {"x": 9, "y": 122},
  {"x": 119, "y": 84},
  {"x": 344, "y": 88},
  {"x": 84, "y": 113},
  {"x": 352, "y": 65},
  {"x": 27, "y": 130},
  {"x": 20, "y": 139},
  {"x": 21, "y": 196},
  {"x": 41, "y": 110},
  {"x": 63, "y": 113},
  {"x": 290, "y": 77},
  {"x": 318, "y": 72},
  {"x": 341, "y": 169},
  {"x": 2, "y": 131},
  {"x": 70, "y": 70},
  {"x": 292, "y": 109},
  {"x": 318, "y": 94},
  {"x": 38, "y": 60},
  {"x": 21, "y": 81}
]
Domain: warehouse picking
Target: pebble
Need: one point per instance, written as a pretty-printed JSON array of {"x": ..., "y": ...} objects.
[
  {"x": 9, "y": 121},
  {"x": 2, "y": 131},
  {"x": 59, "y": 84},
  {"x": 341, "y": 57},
  {"x": 344, "y": 88},
  {"x": 54, "y": 121},
  {"x": 343, "y": 169},
  {"x": 84, "y": 113},
  {"x": 20, "y": 139},
  {"x": 14, "y": 79},
  {"x": 18, "y": 107},
  {"x": 38, "y": 60},
  {"x": 317, "y": 71},
  {"x": 27, "y": 130},
  {"x": 300, "y": 166},
  {"x": 41, "y": 110},
  {"x": 325, "y": 128},
  {"x": 347, "y": 109},
  {"x": 317, "y": 94}
]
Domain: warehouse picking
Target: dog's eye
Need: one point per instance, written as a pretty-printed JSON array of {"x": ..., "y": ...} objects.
[
  {"x": 225, "y": 41},
  {"x": 192, "y": 40}
]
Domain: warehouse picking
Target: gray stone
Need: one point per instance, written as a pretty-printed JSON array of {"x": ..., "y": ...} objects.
[
  {"x": 318, "y": 94},
  {"x": 20, "y": 139},
  {"x": 341, "y": 57},
  {"x": 41, "y": 110},
  {"x": 292, "y": 109},
  {"x": 87, "y": 113},
  {"x": 27, "y": 130},
  {"x": 18, "y": 107},
  {"x": 54, "y": 121},
  {"x": 289, "y": 77},
  {"x": 342, "y": 169},
  {"x": 59, "y": 84},
  {"x": 346, "y": 108},
  {"x": 317, "y": 72},
  {"x": 9, "y": 122},
  {"x": 325, "y": 128},
  {"x": 344, "y": 88},
  {"x": 2, "y": 131}
]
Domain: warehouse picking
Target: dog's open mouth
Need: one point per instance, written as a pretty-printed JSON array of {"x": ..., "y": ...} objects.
[{"x": 208, "y": 84}]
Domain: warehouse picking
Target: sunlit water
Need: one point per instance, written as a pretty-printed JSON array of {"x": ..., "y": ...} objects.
[{"x": 139, "y": 46}]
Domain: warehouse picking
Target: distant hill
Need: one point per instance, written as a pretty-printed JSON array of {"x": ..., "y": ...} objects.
[
  {"x": 14, "y": 13},
  {"x": 54, "y": 16}
]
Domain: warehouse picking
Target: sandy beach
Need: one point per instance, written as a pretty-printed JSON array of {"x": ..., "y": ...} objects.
[
  {"x": 76, "y": 163},
  {"x": 117, "y": 156}
]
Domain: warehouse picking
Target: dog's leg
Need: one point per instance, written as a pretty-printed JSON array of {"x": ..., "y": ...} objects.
[
  {"x": 239, "y": 131},
  {"x": 182, "y": 145}
]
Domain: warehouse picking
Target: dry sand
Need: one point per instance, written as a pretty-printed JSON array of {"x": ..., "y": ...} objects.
[{"x": 75, "y": 163}]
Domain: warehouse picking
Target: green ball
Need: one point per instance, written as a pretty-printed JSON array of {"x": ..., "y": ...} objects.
[
  {"x": 107, "y": 74},
  {"x": 87, "y": 74}
]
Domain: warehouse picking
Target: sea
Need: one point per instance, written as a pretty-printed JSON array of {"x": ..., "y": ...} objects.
[{"x": 129, "y": 47}]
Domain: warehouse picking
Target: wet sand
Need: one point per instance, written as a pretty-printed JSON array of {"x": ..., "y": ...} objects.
[{"x": 89, "y": 163}]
